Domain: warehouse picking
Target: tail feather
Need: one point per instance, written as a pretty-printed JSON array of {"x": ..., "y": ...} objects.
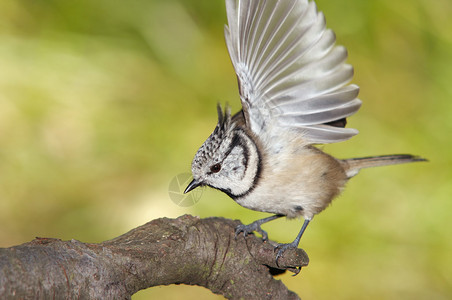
[{"x": 353, "y": 165}]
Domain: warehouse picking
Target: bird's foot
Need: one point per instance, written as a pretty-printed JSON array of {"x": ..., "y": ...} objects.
[
  {"x": 248, "y": 229},
  {"x": 281, "y": 248}
]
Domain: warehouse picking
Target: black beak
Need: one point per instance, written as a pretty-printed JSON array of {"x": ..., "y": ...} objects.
[{"x": 191, "y": 186}]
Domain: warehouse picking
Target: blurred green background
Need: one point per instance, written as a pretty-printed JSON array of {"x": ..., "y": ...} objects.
[{"x": 103, "y": 102}]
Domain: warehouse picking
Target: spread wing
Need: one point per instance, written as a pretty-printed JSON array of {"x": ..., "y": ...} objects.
[{"x": 290, "y": 73}]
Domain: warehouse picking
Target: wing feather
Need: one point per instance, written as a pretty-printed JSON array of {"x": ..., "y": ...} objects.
[
  {"x": 320, "y": 103},
  {"x": 290, "y": 73},
  {"x": 324, "y": 134},
  {"x": 321, "y": 117}
]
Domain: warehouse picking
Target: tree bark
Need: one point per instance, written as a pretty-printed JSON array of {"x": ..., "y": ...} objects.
[{"x": 186, "y": 250}]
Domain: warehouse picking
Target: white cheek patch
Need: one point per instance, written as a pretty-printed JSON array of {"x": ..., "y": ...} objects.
[
  {"x": 235, "y": 164},
  {"x": 243, "y": 164}
]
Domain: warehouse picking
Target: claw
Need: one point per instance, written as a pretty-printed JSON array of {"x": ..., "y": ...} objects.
[
  {"x": 282, "y": 248},
  {"x": 255, "y": 226},
  {"x": 249, "y": 229},
  {"x": 241, "y": 228}
]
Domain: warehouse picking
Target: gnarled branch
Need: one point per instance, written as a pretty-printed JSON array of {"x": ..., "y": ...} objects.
[{"x": 186, "y": 250}]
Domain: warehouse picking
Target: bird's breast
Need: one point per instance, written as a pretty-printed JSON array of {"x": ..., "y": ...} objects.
[{"x": 296, "y": 183}]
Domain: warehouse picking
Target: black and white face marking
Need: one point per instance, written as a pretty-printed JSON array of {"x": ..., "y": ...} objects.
[
  {"x": 228, "y": 161},
  {"x": 241, "y": 166}
]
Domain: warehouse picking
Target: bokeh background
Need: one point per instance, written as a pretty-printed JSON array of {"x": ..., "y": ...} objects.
[{"x": 103, "y": 102}]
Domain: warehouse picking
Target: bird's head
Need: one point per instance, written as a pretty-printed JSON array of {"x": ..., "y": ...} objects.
[{"x": 228, "y": 160}]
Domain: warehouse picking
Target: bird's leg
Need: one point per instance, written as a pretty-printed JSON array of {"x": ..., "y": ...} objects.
[
  {"x": 283, "y": 247},
  {"x": 256, "y": 226}
]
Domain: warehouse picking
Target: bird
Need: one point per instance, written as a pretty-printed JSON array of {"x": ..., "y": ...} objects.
[{"x": 295, "y": 92}]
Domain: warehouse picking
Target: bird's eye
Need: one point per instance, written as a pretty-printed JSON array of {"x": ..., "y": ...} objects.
[{"x": 215, "y": 168}]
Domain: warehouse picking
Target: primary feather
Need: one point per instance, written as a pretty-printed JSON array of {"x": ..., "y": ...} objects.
[{"x": 290, "y": 73}]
